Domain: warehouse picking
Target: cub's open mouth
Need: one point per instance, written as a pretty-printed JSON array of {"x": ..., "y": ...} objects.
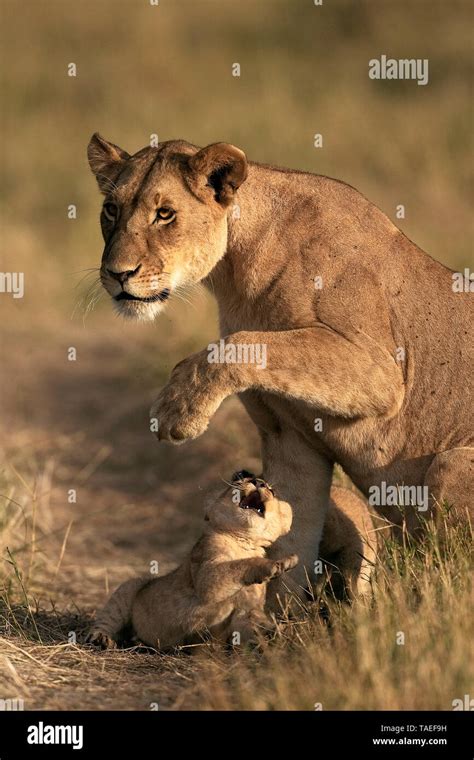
[
  {"x": 256, "y": 499},
  {"x": 253, "y": 501},
  {"x": 163, "y": 296}
]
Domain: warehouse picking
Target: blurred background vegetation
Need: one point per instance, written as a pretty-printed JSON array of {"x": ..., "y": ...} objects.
[{"x": 166, "y": 69}]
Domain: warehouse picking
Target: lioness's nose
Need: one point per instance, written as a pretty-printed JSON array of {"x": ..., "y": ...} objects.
[{"x": 123, "y": 276}]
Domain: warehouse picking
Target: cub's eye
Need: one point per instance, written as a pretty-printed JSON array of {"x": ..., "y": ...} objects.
[
  {"x": 110, "y": 211},
  {"x": 165, "y": 214}
]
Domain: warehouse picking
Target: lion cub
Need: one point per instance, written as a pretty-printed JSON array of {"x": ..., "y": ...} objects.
[{"x": 219, "y": 588}]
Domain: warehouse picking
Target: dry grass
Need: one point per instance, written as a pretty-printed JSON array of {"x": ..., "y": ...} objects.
[
  {"x": 406, "y": 648},
  {"x": 83, "y": 425}
]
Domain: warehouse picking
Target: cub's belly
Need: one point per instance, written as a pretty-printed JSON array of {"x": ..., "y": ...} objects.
[{"x": 164, "y": 616}]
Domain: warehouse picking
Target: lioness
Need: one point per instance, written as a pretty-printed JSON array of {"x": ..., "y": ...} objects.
[
  {"x": 368, "y": 357},
  {"x": 221, "y": 585}
]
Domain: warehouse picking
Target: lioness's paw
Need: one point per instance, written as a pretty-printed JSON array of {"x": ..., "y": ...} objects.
[
  {"x": 185, "y": 405},
  {"x": 174, "y": 421},
  {"x": 101, "y": 640}
]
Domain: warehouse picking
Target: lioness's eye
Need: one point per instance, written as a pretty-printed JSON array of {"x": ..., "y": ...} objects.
[
  {"x": 111, "y": 211},
  {"x": 165, "y": 214}
]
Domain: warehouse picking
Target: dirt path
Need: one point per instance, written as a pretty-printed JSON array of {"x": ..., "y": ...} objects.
[{"x": 83, "y": 425}]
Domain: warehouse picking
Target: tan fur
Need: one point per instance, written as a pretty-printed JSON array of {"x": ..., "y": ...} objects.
[
  {"x": 219, "y": 588},
  {"x": 381, "y": 354},
  {"x": 348, "y": 544}
]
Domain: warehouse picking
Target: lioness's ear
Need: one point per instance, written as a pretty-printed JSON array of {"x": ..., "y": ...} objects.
[
  {"x": 218, "y": 169},
  {"x": 105, "y": 160}
]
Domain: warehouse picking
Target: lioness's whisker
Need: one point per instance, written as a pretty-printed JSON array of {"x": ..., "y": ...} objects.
[
  {"x": 88, "y": 269},
  {"x": 85, "y": 276},
  {"x": 89, "y": 299},
  {"x": 180, "y": 297}
]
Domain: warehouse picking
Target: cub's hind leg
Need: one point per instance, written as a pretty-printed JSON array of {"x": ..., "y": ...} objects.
[
  {"x": 250, "y": 622},
  {"x": 116, "y": 615}
]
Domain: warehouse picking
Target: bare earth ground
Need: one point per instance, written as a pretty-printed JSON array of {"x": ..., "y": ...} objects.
[{"x": 136, "y": 501}]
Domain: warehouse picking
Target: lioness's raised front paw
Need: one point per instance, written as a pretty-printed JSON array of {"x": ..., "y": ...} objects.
[
  {"x": 101, "y": 639},
  {"x": 188, "y": 401},
  {"x": 173, "y": 420}
]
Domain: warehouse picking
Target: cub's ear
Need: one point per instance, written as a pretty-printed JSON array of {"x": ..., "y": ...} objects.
[
  {"x": 217, "y": 172},
  {"x": 106, "y": 160}
]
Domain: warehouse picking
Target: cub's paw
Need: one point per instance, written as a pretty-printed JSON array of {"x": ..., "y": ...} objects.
[
  {"x": 101, "y": 640},
  {"x": 266, "y": 570},
  {"x": 282, "y": 565},
  {"x": 249, "y": 628}
]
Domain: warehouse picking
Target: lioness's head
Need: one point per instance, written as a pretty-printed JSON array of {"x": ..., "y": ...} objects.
[
  {"x": 249, "y": 508},
  {"x": 164, "y": 217}
]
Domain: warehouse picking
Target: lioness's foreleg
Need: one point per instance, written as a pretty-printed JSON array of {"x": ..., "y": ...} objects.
[
  {"x": 302, "y": 477},
  {"x": 344, "y": 377}
]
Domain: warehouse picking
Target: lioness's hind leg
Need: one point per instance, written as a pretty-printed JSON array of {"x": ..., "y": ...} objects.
[
  {"x": 450, "y": 480},
  {"x": 348, "y": 545}
]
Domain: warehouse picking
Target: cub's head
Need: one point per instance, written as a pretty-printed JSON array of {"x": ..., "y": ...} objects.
[
  {"x": 250, "y": 509},
  {"x": 164, "y": 217}
]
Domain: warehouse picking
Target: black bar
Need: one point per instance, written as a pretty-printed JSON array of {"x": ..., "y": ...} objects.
[{"x": 134, "y": 734}]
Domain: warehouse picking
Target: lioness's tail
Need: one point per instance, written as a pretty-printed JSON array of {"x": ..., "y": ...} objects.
[{"x": 116, "y": 614}]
